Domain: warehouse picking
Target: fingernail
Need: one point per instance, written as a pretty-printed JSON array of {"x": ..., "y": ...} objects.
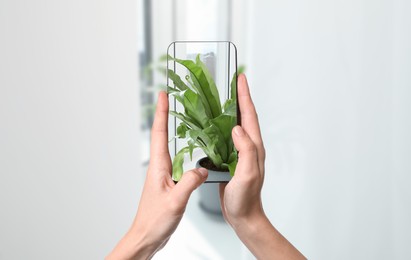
[
  {"x": 203, "y": 171},
  {"x": 238, "y": 130},
  {"x": 164, "y": 93}
]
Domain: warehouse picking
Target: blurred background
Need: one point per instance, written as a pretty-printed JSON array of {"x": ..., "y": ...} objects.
[{"x": 331, "y": 81}]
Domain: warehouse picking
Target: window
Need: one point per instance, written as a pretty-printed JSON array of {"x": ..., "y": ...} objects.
[{"x": 164, "y": 21}]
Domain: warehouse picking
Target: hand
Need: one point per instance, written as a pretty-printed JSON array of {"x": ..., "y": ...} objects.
[
  {"x": 241, "y": 198},
  {"x": 162, "y": 202}
]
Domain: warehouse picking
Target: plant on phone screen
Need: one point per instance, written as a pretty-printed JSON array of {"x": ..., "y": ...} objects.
[{"x": 205, "y": 123}]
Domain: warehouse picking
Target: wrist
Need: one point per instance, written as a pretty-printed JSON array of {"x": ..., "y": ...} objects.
[
  {"x": 264, "y": 241},
  {"x": 133, "y": 246},
  {"x": 250, "y": 221},
  {"x": 251, "y": 224}
]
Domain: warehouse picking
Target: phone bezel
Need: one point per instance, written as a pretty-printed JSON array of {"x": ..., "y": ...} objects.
[{"x": 213, "y": 177}]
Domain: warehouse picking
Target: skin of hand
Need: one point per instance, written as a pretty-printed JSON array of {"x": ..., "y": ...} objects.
[
  {"x": 241, "y": 198},
  {"x": 162, "y": 202}
]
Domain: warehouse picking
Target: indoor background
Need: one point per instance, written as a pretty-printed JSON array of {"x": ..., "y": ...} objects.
[{"x": 331, "y": 81}]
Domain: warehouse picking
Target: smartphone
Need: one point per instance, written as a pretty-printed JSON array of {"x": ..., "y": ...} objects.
[{"x": 202, "y": 90}]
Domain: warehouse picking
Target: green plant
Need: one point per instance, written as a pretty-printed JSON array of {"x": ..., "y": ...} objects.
[{"x": 205, "y": 122}]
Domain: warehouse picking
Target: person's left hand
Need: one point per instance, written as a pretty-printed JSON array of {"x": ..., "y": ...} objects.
[{"x": 162, "y": 202}]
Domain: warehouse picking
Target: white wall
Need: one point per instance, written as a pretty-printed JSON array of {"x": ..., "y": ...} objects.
[
  {"x": 336, "y": 127},
  {"x": 69, "y": 147}
]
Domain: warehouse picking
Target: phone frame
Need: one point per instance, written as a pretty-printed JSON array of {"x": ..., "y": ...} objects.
[{"x": 213, "y": 177}]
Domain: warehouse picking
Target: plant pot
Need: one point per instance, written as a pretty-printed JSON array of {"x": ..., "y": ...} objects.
[{"x": 209, "y": 191}]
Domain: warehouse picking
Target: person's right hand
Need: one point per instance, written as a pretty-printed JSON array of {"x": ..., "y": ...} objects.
[{"x": 241, "y": 198}]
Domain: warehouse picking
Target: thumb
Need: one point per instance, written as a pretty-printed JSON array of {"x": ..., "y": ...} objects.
[
  {"x": 188, "y": 183},
  {"x": 247, "y": 152}
]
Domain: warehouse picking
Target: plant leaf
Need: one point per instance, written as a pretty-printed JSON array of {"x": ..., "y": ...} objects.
[
  {"x": 216, "y": 145},
  {"x": 186, "y": 120},
  {"x": 207, "y": 141},
  {"x": 233, "y": 156},
  {"x": 193, "y": 108},
  {"x": 194, "y": 134},
  {"x": 171, "y": 90},
  {"x": 224, "y": 124},
  {"x": 177, "y": 94},
  {"x": 231, "y": 167},
  {"x": 230, "y": 108},
  {"x": 212, "y": 153},
  {"x": 211, "y": 83},
  {"x": 204, "y": 123},
  {"x": 191, "y": 147},
  {"x": 211, "y": 103},
  {"x": 178, "y": 164},
  {"x": 181, "y": 130},
  {"x": 176, "y": 80},
  {"x": 233, "y": 87}
]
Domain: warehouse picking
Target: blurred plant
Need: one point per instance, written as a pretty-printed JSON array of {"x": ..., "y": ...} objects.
[
  {"x": 149, "y": 91},
  {"x": 205, "y": 122}
]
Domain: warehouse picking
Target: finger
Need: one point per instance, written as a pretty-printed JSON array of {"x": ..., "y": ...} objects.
[
  {"x": 188, "y": 183},
  {"x": 249, "y": 118},
  {"x": 222, "y": 192},
  {"x": 247, "y": 154},
  {"x": 159, "y": 131}
]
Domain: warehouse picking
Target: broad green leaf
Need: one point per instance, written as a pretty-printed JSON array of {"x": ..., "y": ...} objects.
[
  {"x": 181, "y": 130},
  {"x": 211, "y": 83},
  {"x": 232, "y": 162},
  {"x": 233, "y": 156},
  {"x": 171, "y": 90},
  {"x": 163, "y": 57},
  {"x": 233, "y": 87},
  {"x": 231, "y": 167},
  {"x": 177, "y": 94},
  {"x": 177, "y": 80},
  {"x": 211, "y": 152},
  {"x": 191, "y": 147},
  {"x": 211, "y": 103},
  {"x": 241, "y": 70},
  {"x": 230, "y": 108},
  {"x": 185, "y": 119},
  {"x": 191, "y": 83},
  {"x": 217, "y": 139},
  {"x": 208, "y": 143},
  {"x": 194, "y": 109},
  {"x": 225, "y": 124},
  {"x": 194, "y": 135},
  {"x": 178, "y": 164}
]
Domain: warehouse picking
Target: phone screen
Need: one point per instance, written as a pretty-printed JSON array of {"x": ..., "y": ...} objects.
[{"x": 202, "y": 89}]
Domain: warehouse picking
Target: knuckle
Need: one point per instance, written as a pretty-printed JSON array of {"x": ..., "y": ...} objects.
[
  {"x": 174, "y": 204},
  {"x": 194, "y": 176},
  {"x": 249, "y": 179},
  {"x": 250, "y": 147},
  {"x": 262, "y": 152}
]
